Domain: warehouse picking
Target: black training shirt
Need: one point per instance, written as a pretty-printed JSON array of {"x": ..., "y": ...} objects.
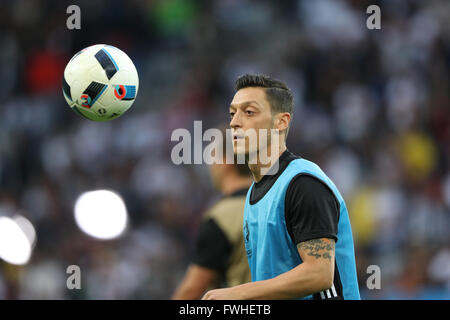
[
  {"x": 311, "y": 209},
  {"x": 213, "y": 249}
]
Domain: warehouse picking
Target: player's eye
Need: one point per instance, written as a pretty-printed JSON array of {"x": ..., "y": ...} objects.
[
  {"x": 231, "y": 115},
  {"x": 249, "y": 112}
]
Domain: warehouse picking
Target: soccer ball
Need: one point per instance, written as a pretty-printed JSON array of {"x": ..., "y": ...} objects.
[{"x": 100, "y": 83}]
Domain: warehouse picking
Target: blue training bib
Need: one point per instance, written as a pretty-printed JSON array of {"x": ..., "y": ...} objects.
[{"x": 270, "y": 249}]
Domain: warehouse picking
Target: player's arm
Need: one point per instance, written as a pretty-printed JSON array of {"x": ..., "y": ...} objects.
[
  {"x": 196, "y": 281},
  {"x": 315, "y": 274},
  {"x": 211, "y": 258},
  {"x": 312, "y": 215}
]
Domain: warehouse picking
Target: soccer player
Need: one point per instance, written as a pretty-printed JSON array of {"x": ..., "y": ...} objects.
[
  {"x": 297, "y": 231},
  {"x": 220, "y": 259}
]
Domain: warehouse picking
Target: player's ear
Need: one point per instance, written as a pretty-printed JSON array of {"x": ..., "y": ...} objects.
[{"x": 282, "y": 121}]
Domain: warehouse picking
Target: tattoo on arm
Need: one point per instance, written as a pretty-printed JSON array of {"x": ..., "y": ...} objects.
[{"x": 318, "y": 248}]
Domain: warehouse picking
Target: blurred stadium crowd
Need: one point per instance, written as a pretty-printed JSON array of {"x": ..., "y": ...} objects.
[{"x": 372, "y": 107}]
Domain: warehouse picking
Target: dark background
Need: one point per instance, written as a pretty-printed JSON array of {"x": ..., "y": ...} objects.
[{"x": 372, "y": 107}]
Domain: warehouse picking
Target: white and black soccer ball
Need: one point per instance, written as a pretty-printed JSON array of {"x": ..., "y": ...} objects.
[{"x": 100, "y": 82}]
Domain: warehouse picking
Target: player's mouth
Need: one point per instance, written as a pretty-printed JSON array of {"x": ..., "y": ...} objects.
[{"x": 238, "y": 137}]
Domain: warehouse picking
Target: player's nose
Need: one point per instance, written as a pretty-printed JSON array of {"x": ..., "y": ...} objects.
[{"x": 236, "y": 121}]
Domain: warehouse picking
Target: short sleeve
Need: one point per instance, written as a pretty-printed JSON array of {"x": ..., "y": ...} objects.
[
  {"x": 311, "y": 209},
  {"x": 212, "y": 249}
]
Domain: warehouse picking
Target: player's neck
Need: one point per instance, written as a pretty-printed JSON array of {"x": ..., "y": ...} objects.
[
  {"x": 259, "y": 170},
  {"x": 233, "y": 183}
]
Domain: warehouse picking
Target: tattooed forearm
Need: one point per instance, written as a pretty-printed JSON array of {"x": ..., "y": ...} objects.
[{"x": 318, "y": 248}]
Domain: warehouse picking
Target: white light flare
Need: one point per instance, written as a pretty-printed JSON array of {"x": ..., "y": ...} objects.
[
  {"x": 101, "y": 214},
  {"x": 17, "y": 238}
]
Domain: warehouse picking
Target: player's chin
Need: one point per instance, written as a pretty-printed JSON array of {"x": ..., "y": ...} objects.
[{"x": 239, "y": 149}]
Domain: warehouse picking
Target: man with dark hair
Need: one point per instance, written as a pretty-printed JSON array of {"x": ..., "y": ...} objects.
[
  {"x": 297, "y": 232},
  {"x": 219, "y": 258}
]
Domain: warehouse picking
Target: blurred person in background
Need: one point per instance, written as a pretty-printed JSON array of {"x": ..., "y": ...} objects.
[{"x": 219, "y": 259}]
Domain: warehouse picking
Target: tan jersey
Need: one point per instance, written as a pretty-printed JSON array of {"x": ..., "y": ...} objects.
[{"x": 228, "y": 214}]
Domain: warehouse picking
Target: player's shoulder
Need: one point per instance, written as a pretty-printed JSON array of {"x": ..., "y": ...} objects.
[
  {"x": 228, "y": 215},
  {"x": 305, "y": 172},
  {"x": 304, "y": 165},
  {"x": 225, "y": 207},
  {"x": 307, "y": 183},
  {"x": 309, "y": 190}
]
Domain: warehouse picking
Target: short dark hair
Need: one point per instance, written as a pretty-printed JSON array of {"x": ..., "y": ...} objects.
[{"x": 278, "y": 94}]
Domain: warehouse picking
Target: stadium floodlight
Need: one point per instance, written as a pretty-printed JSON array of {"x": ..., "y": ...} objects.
[
  {"x": 17, "y": 237},
  {"x": 101, "y": 214}
]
